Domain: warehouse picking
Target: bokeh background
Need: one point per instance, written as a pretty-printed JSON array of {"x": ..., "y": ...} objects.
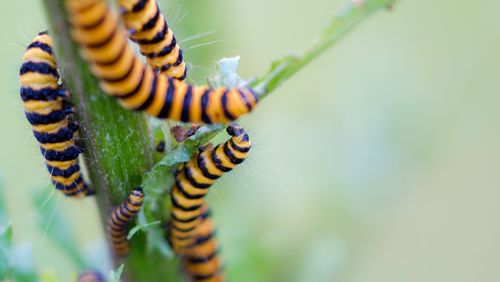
[{"x": 377, "y": 162}]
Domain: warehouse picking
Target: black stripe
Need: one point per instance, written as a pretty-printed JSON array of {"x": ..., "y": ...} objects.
[
  {"x": 151, "y": 23},
  {"x": 165, "y": 110},
  {"x": 201, "y": 259},
  {"x": 179, "y": 58},
  {"x": 156, "y": 39},
  {"x": 54, "y": 171},
  {"x": 166, "y": 50},
  {"x": 45, "y": 32},
  {"x": 217, "y": 162},
  {"x": 184, "y": 220},
  {"x": 186, "y": 104},
  {"x": 230, "y": 155},
  {"x": 44, "y": 94},
  {"x": 37, "y": 44},
  {"x": 183, "y": 229},
  {"x": 183, "y": 76},
  {"x": 188, "y": 173},
  {"x": 244, "y": 99},
  {"x": 203, "y": 277},
  {"x": 113, "y": 60},
  {"x": 68, "y": 154},
  {"x": 139, "y": 5},
  {"x": 120, "y": 78},
  {"x": 224, "y": 106},
  {"x": 41, "y": 67},
  {"x": 62, "y": 135},
  {"x": 152, "y": 94},
  {"x": 201, "y": 161},
  {"x": 73, "y": 185},
  {"x": 205, "y": 98},
  {"x": 238, "y": 148},
  {"x": 206, "y": 214},
  {"x": 105, "y": 41},
  {"x": 177, "y": 205},
  {"x": 95, "y": 24},
  {"x": 203, "y": 239},
  {"x": 136, "y": 89},
  {"x": 52, "y": 117},
  {"x": 180, "y": 188}
]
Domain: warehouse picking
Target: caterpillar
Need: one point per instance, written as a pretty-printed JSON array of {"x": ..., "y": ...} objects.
[
  {"x": 201, "y": 261},
  {"x": 149, "y": 29},
  {"x": 48, "y": 112},
  {"x": 122, "y": 74},
  {"x": 119, "y": 219},
  {"x": 193, "y": 180},
  {"x": 91, "y": 276}
]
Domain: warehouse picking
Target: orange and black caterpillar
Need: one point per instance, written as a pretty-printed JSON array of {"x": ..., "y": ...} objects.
[
  {"x": 119, "y": 219},
  {"x": 193, "y": 180},
  {"x": 91, "y": 276},
  {"x": 200, "y": 260},
  {"x": 149, "y": 29},
  {"x": 49, "y": 113},
  {"x": 122, "y": 74}
]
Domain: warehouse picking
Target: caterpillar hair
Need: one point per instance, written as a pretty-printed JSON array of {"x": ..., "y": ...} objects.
[
  {"x": 48, "y": 112},
  {"x": 91, "y": 276},
  {"x": 122, "y": 74},
  {"x": 193, "y": 180},
  {"x": 201, "y": 261},
  {"x": 149, "y": 29},
  {"x": 119, "y": 219}
]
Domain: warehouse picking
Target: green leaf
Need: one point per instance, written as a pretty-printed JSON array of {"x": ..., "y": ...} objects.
[
  {"x": 143, "y": 227},
  {"x": 114, "y": 276}
]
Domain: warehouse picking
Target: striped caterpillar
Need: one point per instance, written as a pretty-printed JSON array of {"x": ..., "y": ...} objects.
[
  {"x": 193, "y": 180},
  {"x": 149, "y": 29},
  {"x": 49, "y": 113},
  {"x": 119, "y": 219},
  {"x": 122, "y": 74},
  {"x": 201, "y": 261}
]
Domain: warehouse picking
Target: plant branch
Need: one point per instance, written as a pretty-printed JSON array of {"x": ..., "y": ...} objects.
[
  {"x": 117, "y": 143},
  {"x": 283, "y": 69}
]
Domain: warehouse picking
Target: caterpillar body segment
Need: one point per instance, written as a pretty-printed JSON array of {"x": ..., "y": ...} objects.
[
  {"x": 201, "y": 261},
  {"x": 123, "y": 75},
  {"x": 119, "y": 219},
  {"x": 48, "y": 111},
  {"x": 195, "y": 178},
  {"x": 149, "y": 29}
]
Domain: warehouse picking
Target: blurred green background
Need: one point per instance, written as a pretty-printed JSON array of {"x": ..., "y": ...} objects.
[{"x": 378, "y": 162}]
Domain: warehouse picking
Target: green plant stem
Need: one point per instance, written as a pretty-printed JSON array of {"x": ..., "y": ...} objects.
[
  {"x": 116, "y": 142},
  {"x": 285, "y": 68}
]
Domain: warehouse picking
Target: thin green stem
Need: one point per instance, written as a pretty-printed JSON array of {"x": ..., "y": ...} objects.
[{"x": 285, "y": 68}]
